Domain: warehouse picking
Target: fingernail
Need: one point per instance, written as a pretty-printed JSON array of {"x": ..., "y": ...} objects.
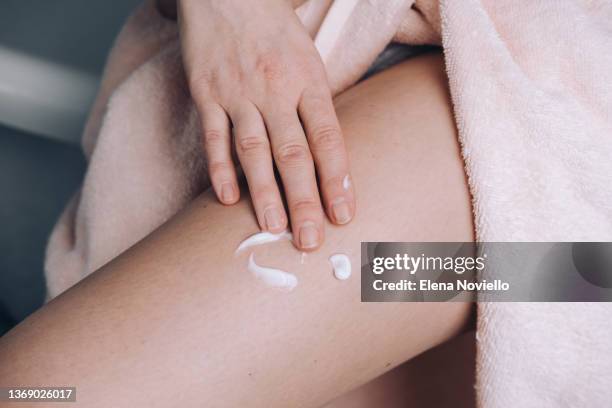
[
  {"x": 273, "y": 218},
  {"x": 309, "y": 235},
  {"x": 341, "y": 212},
  {"x": 227, "y": 192}
]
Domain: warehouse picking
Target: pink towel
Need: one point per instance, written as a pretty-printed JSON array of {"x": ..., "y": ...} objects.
[{"x": 531, "y": 84}]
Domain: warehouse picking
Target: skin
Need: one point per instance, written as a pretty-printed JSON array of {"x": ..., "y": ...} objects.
[
  {"x": 442, "y": 377},
  {"x": 177, "y": 320},
  {"x": 261, "y": 89}
]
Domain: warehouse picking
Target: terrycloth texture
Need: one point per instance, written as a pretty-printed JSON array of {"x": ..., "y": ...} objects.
[{"x": 532, "y": 87}]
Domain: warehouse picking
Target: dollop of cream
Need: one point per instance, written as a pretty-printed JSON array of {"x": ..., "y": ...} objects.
[
  {"x": 346, "y": 182},
  {"x": 263, "y": 238},
  {"x": 342, "y": 266},
  {"x": 272, "y": 277}
]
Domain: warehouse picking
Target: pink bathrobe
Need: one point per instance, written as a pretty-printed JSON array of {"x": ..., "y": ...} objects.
[{"x": 531, "y": 84}]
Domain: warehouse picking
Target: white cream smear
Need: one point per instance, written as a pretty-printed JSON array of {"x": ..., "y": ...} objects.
[
  {"x": 346, "y": 182},
  {"x": 280, "y": 279},
  {"x": 342, "y": 266},
  {"x": 272, "y": 277},
  {"x": 263, "y": 238}
]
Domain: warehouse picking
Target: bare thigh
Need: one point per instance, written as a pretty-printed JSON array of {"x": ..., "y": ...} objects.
[
  {"x": 442, "y": 377},
  {"x": 178, "y": 320}
]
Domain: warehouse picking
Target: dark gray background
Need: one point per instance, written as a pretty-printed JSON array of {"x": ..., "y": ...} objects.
[{"x": 38, "y": 175}]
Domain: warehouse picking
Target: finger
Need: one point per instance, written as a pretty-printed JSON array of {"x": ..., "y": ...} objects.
[
  {"x": 326, "y": 143},
  {"x": 294, "y": 162},
  {"x": 253, "y": 149},
  {"x": 217, "y": 147}
]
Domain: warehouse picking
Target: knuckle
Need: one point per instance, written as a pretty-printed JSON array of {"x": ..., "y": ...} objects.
[
  {"x": 333, "y": 183},
  {"x": 304, "y": 204},
  {"x": 251, "y": 144},
  {"x": 201, "y": 80},
  {"x": 213, "y": 137},
  {"x": 264, "y": 192},
  {"x": 218, "y": 169},
  {"x": 313, "y": 68},
  {"x": 271, "y": 66},
  {"x": 326, "y": 138},
  {"x": 292, "y": 153}
]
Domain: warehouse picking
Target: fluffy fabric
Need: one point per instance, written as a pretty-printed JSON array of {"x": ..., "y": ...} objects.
[{"x": 531, "y": 84}]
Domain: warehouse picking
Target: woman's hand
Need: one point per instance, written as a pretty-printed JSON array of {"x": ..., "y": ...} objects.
[{"x": 253, "y": 63}]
